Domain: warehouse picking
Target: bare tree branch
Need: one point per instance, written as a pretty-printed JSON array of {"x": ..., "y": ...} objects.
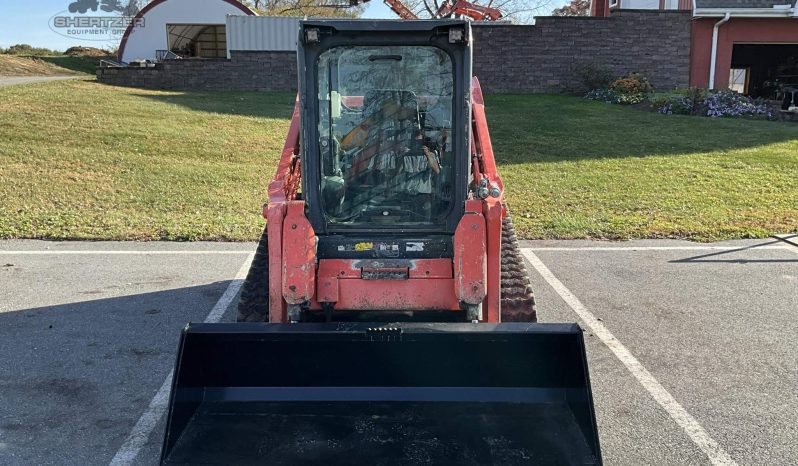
[
  {"x": 429, "y": 9},
  {"x": 518, "y": 11}
]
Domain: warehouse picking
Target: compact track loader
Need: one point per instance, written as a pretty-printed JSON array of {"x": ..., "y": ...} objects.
[{"x": 387, "y": 317}]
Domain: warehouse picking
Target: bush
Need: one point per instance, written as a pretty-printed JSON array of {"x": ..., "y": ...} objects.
[
  {"x": 696, "y": 95},
  {"x": 632, "y": 84},
  {"x": 27, "y": 49},
  {"x": 86, "y": 52},
  {"x": 594, "y": 76},
  {"x": 603, "y": 95},
  {"x": 631, "y": 89},
  {"x": 688, "y": 102},
  {"x": 676, "y": 105}
]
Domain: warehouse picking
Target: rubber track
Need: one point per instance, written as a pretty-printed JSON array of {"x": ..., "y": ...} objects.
[
  {"x": 517, "y": 298},
  {"x": 253, "y": 304}
]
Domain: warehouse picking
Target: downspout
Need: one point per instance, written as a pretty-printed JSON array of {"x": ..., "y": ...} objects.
[{"x": 714, "y": 58}]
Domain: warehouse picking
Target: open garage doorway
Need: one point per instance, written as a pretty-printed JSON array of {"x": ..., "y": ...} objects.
[
  {"x": 764, "y": 70},
  {"x": 197, "y": 40}
]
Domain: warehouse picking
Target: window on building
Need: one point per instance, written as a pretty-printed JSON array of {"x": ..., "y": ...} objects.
[{"x": 641, "y": 4}]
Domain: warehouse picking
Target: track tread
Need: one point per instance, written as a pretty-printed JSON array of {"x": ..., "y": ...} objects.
[
  {"x": 253, "y": 304},
  {"x": 517, "y": 298}
]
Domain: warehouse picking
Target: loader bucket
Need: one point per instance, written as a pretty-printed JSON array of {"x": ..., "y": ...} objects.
[{"x": 351, "y": 393}]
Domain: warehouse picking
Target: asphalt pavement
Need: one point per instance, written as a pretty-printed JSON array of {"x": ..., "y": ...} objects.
[
  {"x": 14, "y": 80},
  {"x": 88, "y": 333},
  {"x": 714, "y": 325}
]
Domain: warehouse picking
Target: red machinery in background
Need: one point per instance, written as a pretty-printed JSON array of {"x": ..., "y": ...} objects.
[
  {"x": 469, "y": 10},
  {"x": 400, "y": 9},
  {"x": 448, "y": 9}
]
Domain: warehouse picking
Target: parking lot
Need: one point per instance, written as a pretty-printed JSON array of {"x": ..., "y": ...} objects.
[{"x": 691, "y": 347}]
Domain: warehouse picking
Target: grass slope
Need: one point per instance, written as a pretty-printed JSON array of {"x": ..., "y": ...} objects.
[
  {"x": 13, "y": 65},
  {"x": 84, "y": 160},
  {"x": 74, "y": 63},
  {"x": 47, "y": 65}
]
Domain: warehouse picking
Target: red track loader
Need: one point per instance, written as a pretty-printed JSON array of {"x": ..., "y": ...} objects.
[{"x": 387, "y": 317}]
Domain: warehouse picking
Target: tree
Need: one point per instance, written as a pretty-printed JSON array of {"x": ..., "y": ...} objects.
[
  {"x": 574, "y": 8},
  {"x": 328, "y": 8},
  {"x": 516, "y": 11},
  {"x": 133, "y": 7},
  {"x": 519, "y": 11}
]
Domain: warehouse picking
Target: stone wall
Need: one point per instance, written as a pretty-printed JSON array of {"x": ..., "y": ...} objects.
[
  {"x": 244, "y": 71},
  {"x": 544, "y": 57},
  {"x": 507, "y": 58}
]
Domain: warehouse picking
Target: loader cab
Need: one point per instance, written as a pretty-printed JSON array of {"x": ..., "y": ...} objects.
[{"x": 386, "y": 125}]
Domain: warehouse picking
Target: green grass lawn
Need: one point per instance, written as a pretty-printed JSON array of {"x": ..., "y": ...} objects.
[
  {"x": 577, "y": 169},
  {"x": 47, "y": 65},
  {"x": 83, "y": 160},
  {"x": 76, "y": 63}
]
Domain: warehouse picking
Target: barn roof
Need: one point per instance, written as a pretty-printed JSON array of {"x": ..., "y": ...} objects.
[{"x": 235, "y": 4}]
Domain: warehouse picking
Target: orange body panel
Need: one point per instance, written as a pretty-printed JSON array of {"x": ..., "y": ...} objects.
[
  {"x": 277, "y": 305},
  {"x": 470, "y": 255},
  {"x": 337, "y": 274},
  {"x": 493, "y": 213},
  {"x": 493, "y": 209},
  {"x": 393, "y": 295},
  {"x": 299, "y": 255},
  {"x": 282, "y": 188}
]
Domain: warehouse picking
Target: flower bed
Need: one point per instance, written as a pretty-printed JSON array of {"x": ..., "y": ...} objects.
[
  {"x": 713, "y": 104},
  {"x": 635, "y": 90},
  {"x": 693, "y": 101}
]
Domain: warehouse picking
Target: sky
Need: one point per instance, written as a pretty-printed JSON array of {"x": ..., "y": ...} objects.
[{"x": 28, "y": 22}]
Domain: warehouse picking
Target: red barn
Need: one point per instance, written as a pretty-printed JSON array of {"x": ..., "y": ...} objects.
[{"x": 750, "y": 46}]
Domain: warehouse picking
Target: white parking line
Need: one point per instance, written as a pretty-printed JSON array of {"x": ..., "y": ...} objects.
[
  {"x": 716, "y": 454},
  {"x": 790, "y": 241},
  {"x": 654, "y": 248},
  {"x": 113, "y": 252},
  {"x": 138, "y": 437}
]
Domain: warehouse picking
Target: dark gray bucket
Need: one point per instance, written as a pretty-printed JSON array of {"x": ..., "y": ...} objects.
[{"x": 345, "y": 393}]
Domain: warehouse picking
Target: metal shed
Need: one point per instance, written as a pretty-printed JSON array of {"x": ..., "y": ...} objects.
[
  {"x": 188, "y": 28},
  {"x": 266, "y": 33}
]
